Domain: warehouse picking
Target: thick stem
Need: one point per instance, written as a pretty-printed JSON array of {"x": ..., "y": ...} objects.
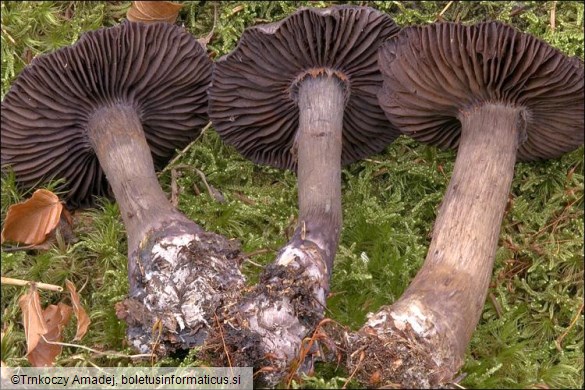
[
  {"x": 269, "y": 324},
  {"x": 120, "y": 145},
  {"x": 178, "y": 273},
  {"x": 442, "y": 306},
  {"x": 321, "y": 105},
  {"x": 454, "y": 279}
]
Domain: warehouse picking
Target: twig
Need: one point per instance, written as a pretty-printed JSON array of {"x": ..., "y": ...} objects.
[
  {"x": 496, "y": 305},
  {"x": 237, "y": 9},
  {"x": 8, "y": 36},
  {"x": 556, "y": 221},
  {"x": 204, "y": 41},
  {"x": 559, "y": 340},
  {"x": 305, "y": 348},
  {"x": 253, "y": 263},
  {"x": 182, "y": 152},
  {"x": 258, "y": 252},
  {"x": 553, "y": 16},
  {"x": 440, "y": 16},
  {"x": 10, "y": 248},
  {"x": 455, "y": 382},
  {"x": 196, "y": 189},
  {"x": 108, "y": 353},
  {"x": 218, "y": 197},
  {"x": 84, "y": 285},
  {"x": 20, "y": 282},
  {"x": 518, "y": 10},
  {"x": 227, "y": 353},
  {"x": 158, "y": 328},
  {"x": 362, "y": 357},
  {"x": 244, "y": 198},
  {"x": 209, "y": 189},
  {"x": 174, "y": 188},
  {"x": 373, "y": 161},
  {"x": 440, "y": 169}
]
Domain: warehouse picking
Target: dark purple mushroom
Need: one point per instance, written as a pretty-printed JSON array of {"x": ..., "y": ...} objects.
[
  {"x": 498, "y": 96},
  {"x": 301, "y": 94},
  {"x": 117, "y": 104}
]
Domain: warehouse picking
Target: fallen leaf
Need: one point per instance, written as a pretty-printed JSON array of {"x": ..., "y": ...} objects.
[
  {"x": 32, "y": 318},
  {"x": 66, "y": 215},
  {"x": 153, "y": 11},
  {"x": 83, "y": 320},
  {"x": 55, "y": 317},
  {"x": 31, "y": 221}
]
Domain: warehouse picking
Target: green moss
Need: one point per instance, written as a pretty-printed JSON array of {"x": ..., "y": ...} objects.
[{"x": 531, "y": 332}]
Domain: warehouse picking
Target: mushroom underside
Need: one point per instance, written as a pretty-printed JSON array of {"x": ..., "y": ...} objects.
[
  {"x": 498, "y": 96},
  {"x": 289, "y": 301},
  {"x": 427, "y": 330}
]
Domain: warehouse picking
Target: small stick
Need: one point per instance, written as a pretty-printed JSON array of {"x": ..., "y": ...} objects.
[
  {"x": 253, "y": 263},
  {"x": 306, "y": 348},
  {"x": 20, "y": 282},
  {"x": 440, "y": 17},
  {"x": 237, "y": 9},
  {"x": 9, "y": 249},
  {"x": 157, "y": 327},
  {"x": 182, "y": 152},
  {"x": 258, "y": 252},
  {"x": 227, "y": 353},
  {"x": 247, "y": 256},
  {"x": 559, "y": 340},
  {"x": 84, "y": 284},
  {"x": 519, "y": 10},
  {"x": 196, "y": 189},
  {"x": 8, "y": 36},
  {"x": 107, "y": 353},
  {"x": 553, "y": 16},
  {"x": 362, "y": 357},
  {"x": 372, "y": 161},
  {"x": 496, "y": 305},
  {"x": 244, "y": 198},
  {"x": 204, "y": 41},
  {"x": 202, "y": 176},
  {"x": 174, "y": 188}
]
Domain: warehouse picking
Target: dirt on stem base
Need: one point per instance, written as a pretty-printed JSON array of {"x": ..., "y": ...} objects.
[
  {"x": 396, "y": 356},
  {"x": 265, "y": 326},
  {"x": 179, "y": 277}
]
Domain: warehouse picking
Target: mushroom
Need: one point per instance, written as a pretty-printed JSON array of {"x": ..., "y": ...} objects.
[
  {"x": 300, "y": 94},
  {"x": 117, "y": 104},
  {"x": 498, "y": 96}
]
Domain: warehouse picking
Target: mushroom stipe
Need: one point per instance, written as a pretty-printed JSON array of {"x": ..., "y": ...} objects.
[
  {"x": 499, "y": 96},
  {"x": 300, "y": 94},
  {"x": 117, "y": 104}
]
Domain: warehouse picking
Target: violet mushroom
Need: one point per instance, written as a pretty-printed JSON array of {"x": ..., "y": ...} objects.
[
  {"x": 498, "y": 96},
  {"x": 300, "y": 94},
  {"x": 115, "y": 105}
]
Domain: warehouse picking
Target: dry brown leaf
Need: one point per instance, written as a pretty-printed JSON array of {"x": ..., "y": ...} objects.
[
  {"x": 31, "y": 221},
  {"x": 55, "y": 317},
  {"x": 32, "y": 318},
  {"x": 66, "y": 215},
  {"x": 83, "y": 320},
  {"x": 153, "y": 11}
]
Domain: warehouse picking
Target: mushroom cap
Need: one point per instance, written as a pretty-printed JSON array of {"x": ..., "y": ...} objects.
[
  {"x": 433, "y": 73},
  {"x": 160, "y": 69},
  {"x": 251, "y": 101}
]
